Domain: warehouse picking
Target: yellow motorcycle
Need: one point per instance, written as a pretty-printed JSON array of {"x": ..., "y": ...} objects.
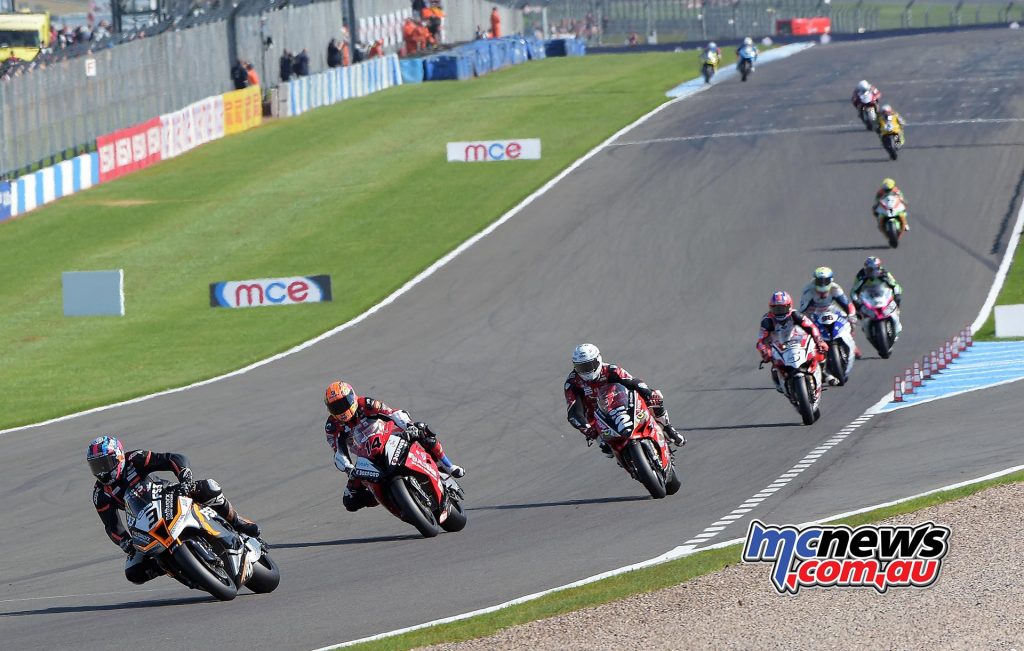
[
  {"x": 709, "y": 64},
  {"x": 891, "y": 132}
]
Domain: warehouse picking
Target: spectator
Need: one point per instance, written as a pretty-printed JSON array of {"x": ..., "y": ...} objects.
[
  {"x": 376, "y": 50},
  {"x": 287, "y": 61},
  {"x": 333, "y": 54},
  {"x": 410, "y": 37},
  {"x": 239, "y": 76},
  {"x": 495, "y": 23},
  {"x": 418, "y": 6},
  {"x": 251, "y": 76},
  {"x": 633, "y": 40},
  {"x": 345, "y": 57},
  {"x": 301, "y": 66},
  {"x": 434, "y": 15}
]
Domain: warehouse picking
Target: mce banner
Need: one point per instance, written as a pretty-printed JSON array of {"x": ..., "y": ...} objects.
[
  {"x": 270, "y": 291},
  {"x": 494, "y": 150}
]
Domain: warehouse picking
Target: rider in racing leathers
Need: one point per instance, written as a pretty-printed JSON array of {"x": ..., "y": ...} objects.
[
  {"x": 747, "y": 43},
  {"x": 353, "y": 417},
  {"x": 117, "y": 472},
  {"x": 781, "y": 314},
  {"x": 889, "y": 187},
  {"x": 886, "y": 113},
  {"x": 583, "y": 385},
  {"x": 872, "y": 274},
  {"x": 822, "y": 291},
  {"x": 864, "y": 87}
]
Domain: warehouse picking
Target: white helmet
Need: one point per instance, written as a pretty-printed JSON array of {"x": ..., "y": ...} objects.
[
  {"x": 863, "y": 86},
  {"x": 586, "y": 360},
  {"x": 712, "y": 45},
  {"x": 748, "y": 41}
]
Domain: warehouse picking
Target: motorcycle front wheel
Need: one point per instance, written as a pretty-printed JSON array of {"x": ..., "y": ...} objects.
[
  {"x": 879, "y": 336},
  {"x": 889, "y": 142},
  {"x": 214, "y": 580},
  {"x": 636, "y": 458},
  {"x": 837, "y": 358},
  {"x": 892, "y": 231},
  {"x": 417, "y": 514},
  {"x": 802, "y": 397},
  {"x": 456, "y": 520},
  {"x": 266, "y": 576}
]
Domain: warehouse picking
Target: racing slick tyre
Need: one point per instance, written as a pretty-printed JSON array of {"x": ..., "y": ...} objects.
[
  {"x": 418, "y": 515},
  {"x": 652, "y": 480},
  {"x": 838, "y": 356},
  {"x": 206, "y": 577},
  {"x": 798, "y": 389},
  {"x": 456, "y": 520},
  {"x": 265, "y": 575},
  {"x": 879, "y": 335},
  {"x": 708, "y": 71},
  {"x": 674, "y": 482},
  {"x": 889, "y": 142},
  {"x": 744, "y": 70},
  {"x": 892, "y": 231}
]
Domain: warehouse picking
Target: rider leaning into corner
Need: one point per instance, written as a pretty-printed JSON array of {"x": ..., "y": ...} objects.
[
  {"x": 864, "y": 87},
  {"x": 781, "y": 315},
  {"x": 822, "y": 292},
  {"x": 353, "y": 418},
  {"x": 872, "y": 274},
  {"x": 886, "y": 113},
  {"x": 889, "y": 187},
  {"x": 584, "y": 383},
  {"x": 117, "y": 472}
]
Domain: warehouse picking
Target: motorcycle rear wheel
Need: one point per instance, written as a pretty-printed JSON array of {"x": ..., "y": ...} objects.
[
  {"x": 798, "y": 389},
  {"x": 266, "y": 576},
  {"x": 216, "y": 582},
  {"x": 651, "y": 479},
  {"x": 414, "y": 513}
]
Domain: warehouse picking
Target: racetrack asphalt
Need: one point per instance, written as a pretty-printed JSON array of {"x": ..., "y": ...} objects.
[{"x": 664, "y": 254}]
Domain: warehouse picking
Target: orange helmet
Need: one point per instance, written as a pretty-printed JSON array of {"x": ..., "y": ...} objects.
[{"x": 341, "y": 401}]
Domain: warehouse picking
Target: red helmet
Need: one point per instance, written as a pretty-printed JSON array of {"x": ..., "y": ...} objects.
[
  {"x": 781, "y": 305},
  {"x": 341, "y": 401}
]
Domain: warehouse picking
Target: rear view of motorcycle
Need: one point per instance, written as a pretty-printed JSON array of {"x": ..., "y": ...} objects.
[
  {"x": 194, "y": 544},
  {"x": 636, "y": 439}
]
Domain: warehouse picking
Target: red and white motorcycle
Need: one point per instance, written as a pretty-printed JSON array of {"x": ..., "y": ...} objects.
[
  {"x": 867, "y": 105},
  {"x": 881, "y": 317},
  {"x": 891, "y": 213},
  {"x": 797, "y": 370},
  {"x": 405, "y": 479},
  {"x": 637, "y": 440}
]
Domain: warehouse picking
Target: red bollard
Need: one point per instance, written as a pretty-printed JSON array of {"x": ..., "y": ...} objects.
[
  {"x": 953, "y": 352},
  {"x": 926, "y": 368},
  {"x": 916, "y": 378},
  {"x": 948, "y": 354},
  {"x": 897, "y": 389},
  {"x": 970, "y": 337},
  {"x": 908, "y": 382},
  {"x": 939, "y": 357}
]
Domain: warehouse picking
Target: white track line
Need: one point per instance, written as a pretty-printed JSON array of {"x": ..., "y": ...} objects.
[{"x": 678, "y": 552}]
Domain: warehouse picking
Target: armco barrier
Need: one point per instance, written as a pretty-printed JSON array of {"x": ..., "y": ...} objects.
[
  {"x": 338, "y": 84},
  {"x": 64, "y": 178}
]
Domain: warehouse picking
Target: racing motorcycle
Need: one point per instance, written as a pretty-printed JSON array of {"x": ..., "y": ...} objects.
[
  {"x": 637, "y": 440},
  {"x": 194, "y": 544},
  {"x": 891, "y": 132},
  {"x": 745, "y": 64},
  {"x": 407, "y": 481},
  {"x": 835, "y": 328},
  {"x": 891, "y": 213},
  {"x": 881, "y": 316},
  {"x": 709, "y": 65},
  {"x": 868, "y": 108},
  {"x": 795, "y": 360}
]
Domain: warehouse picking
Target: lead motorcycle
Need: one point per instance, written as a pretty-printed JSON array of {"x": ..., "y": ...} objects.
[
  {"x": 836, "y": 329},
  {"x": 194, "y": 544},
  {"x": 881, "y": 317},
  {"x": 868, "y": 108},
  {"x": 795, "y": 361},
  {"x": 406, "y": 480},
  {"x": 891, "y": 213},
  {"x": 745, "y": 64},
  {"x": 637, "y": 440}
]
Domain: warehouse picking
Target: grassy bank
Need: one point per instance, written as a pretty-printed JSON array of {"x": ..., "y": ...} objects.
[
  {"x": 360, "y": 190},
  {"x": 639, "y": 581}
]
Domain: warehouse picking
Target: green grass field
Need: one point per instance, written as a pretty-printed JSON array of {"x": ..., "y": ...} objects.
[
  {"x": 360, "y": 190},
  {"x": 1012, "y": 293}
]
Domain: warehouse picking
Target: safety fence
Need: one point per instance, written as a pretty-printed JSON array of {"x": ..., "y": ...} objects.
[{"x": 337, "y": 84}]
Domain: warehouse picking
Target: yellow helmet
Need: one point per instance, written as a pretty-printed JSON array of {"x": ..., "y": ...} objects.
[{"x": 888, "y": 184}]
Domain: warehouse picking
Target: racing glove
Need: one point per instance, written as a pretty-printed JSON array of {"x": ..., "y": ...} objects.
[
  {"x": 126, "y": 545},
  {"x": 185, "y": 476},
  {"x": 343, "y": 463}
]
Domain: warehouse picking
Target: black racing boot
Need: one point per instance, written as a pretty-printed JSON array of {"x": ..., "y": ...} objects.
[{"x": 246, "y": 526}]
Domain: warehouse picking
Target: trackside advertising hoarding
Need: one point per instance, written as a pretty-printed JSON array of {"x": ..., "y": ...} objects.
[
  {"x": 270, "y": 291},
  {"x": 243, "y": 109},
  {"x": 127, "y": 150},
  {"x": 494, "y": 150}
]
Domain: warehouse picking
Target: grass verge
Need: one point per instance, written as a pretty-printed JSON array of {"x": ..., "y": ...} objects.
[
  {"x": 644, "y": 580},
  {"x": 359, "y": 190}
]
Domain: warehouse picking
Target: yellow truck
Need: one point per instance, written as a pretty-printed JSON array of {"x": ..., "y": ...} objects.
[{"x": 23, "y": 35}]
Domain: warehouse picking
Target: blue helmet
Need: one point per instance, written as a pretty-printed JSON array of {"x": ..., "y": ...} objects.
[{"x": 106, "y": 459}]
